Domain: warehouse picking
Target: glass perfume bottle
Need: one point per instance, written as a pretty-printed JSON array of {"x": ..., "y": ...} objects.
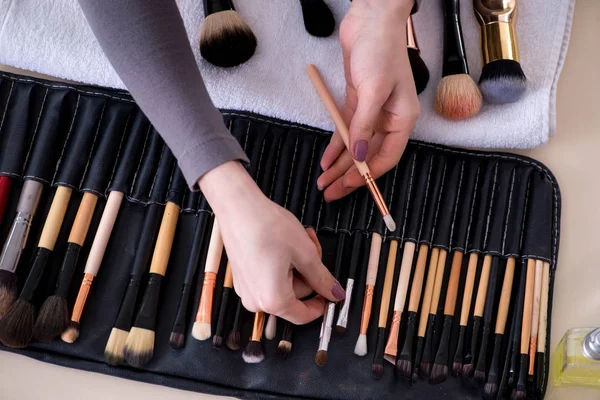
[{"x": 576, "y": 360}]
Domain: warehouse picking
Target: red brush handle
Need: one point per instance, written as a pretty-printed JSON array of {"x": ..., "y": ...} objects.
[{"x": 5, "y": 184}]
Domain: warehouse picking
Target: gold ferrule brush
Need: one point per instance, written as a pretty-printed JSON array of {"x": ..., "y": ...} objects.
[
  {"x": 259, "y": 326},
  {"x": 84, "y": 290},
  {"x": 367, "y": 305},
  {"x": 411, "y": 39},
  {"x": 206, "y": 299},
  {"x": 498, "y": 36},
  {"x": 377, "y": 197}
]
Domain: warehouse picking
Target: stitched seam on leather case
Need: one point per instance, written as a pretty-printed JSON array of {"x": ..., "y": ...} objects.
[
  {"x": 473, "y": 201},
  {"x": 289, "y": 185},
  {"x": 12, "y": 84},
  {"x": 425, "y": 199},
  {"x": 117, "y": 161},
  {"x": 437, "y": 207},
  {"x": 158, "y": 171},
  {"x": 456, "y": 201},
  {"x": 271, "y": 190},
  {"x": 489, "y": 216},
  {"x": 512, "y": 187},
  {"x": 62, "y": 153},
  {"x": 37, "y": 125},
  {"x": 312, "y": 160},
  {"x": 140, "y": 161},
  {"x": 410, "y": 185},
  {"x": 87, "y": 164}
]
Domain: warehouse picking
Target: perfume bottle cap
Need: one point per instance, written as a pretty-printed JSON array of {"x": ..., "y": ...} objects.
[{"x": 591, "y": 345}]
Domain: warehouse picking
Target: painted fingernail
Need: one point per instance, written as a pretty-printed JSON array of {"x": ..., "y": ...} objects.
[
  {"x": 360, "y": 150},
  {"x": 338, "y": 291}
]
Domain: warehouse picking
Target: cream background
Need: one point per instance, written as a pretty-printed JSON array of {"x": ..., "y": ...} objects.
[{"x": 573, "y": 156}]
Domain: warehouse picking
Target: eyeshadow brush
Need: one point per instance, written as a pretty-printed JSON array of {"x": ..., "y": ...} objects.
[
  {"x": 285, "y": 344},
  {"x": 457, "y": 365},
  {"x": 535, "y": 315},
  {"x": 254, "y": 353},
  {"x": 520, "y": 392},
  {"x": 355, "y": 259},
  {"x": 234, "y": 337},
  {"x": 515, "y": 340},
  {"x": 540, "y": 362}
]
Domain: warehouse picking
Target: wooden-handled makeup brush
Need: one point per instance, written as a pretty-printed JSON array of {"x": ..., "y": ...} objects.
[
  {"x": 391, "y": 348},
  {"x": 515, "y": 339},
  {"x": 520, "y": 392},
  {"x": 227, "y": 291},
  {"x": 361, "y": 344},
  {"x": 355, "y": 259},
  {"x": 202, "y": 326},
  {"x": 540, "y": 362},
  {"x": 234, "y": 337},
  {"x": 404, "y": 362},
  {"x": 177, "y": 338},
  {"x": 361, "y": 166},
  {"x": 386, "y": 294},
  {"x": 53, "y": 317},
  {"x": 254, "y": 354},
  {"x": 490, "y": 390},
  {"x": 16, "y": 328},
  {"x": 439, "y": 372},
  {"x": 469, "y": 366},
  {"x": 417, "y": 65},
  {"x": 457, "y": 96},
  {"x": 318, "y": 18},
  {"x": 5, "y": 185},
  {"x": 225, "y": 39},
  {"x": 502, "y": 79},
  {"x": 139, "y": 346},
  {"x": 15, "y": 243},
  {"x": 284, "y": 348},
  {"x": 535, "y": 315}
]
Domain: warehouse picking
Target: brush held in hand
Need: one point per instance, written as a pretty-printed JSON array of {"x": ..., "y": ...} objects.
[
  {"x": 225, "y": 39},
  {"x": 318, "y": 18}
]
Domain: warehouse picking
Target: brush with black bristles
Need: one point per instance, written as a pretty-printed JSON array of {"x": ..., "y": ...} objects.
[
  {"x": 226, "y": 40},
  {"x": 227, "y": 291},
  {"x": 234, "y": 337},
  {"x": 520, "y": 391},
  {"x": 53, "y": 317},
  {"x": 480, "y": 367},
  {"x": 285, "y": 344},
  {"x": 139, "y": 346},
  {"x": 439, "y": 372},
  {"x": 177, "y": 338},
  {"x": 502, "y": 79},
  {"x": 16, "y": 327},
  {"x": 419, "y": 68},
  {"x": 386, "y": 295},
  {"x": 318, "y": 18},
  {"x": 15, "y": 243},
  {"x": 490, "y": 390},
  {"x": 355, "y": 259},
  {"x": 254, "y": 353},
  {"x": 471, "y": 360},
  {"x": 515, "y": 343},
  {"x": 540, "y": 361},
  {"x": 457, "y": 96}
]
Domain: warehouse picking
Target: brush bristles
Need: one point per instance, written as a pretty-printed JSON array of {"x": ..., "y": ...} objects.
[
  {"x": 176, "y": 340},
  {"x": 271, "y": 327},
  {"x": 425, "y": 370},
  {"x": 113, "y": 352},
  {"x": 389, "y": 222},
  {"x": 284, "y": 349},
  {"x": 52, "y": 319},
  {"x": 490, "y": 390},
  {"x": 318, "y": 19},
  {"x": 404, "y": 369},
  {"x": 457, "y": 97},
  {"x": 439, "y": 373},
  {"x": 71, "y": 334},
  {"x": 502, "y": 81},
  {"x": 390, "y": 358},
  {"x": 233, "y": 340},
  {"x": 16, "y": 328},
  {"x": 139, "y": 346},
  {"x": 519, "y": 395},
  {"x": 201, "y": 330},
  {"x": 377, "y": 370},
  {"x": 217, "y": 342},
  {"x": 419, "y": 69},
  {"x": 361, "y": 345},
  {"x": 321, "y": 358},
  {"x": 457, "y": 368},
  {"x": 226, "y": 40},
  {"x": 253, "y": 354},
  {"x": 479, "y": 376},
  {"x": 8, "y": 291},
  {"x": 468, "y": 370},
  {"x": 340, "y": 329}
]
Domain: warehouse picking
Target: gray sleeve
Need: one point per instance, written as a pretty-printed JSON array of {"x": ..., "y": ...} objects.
[{"x": 146, "y": 42}]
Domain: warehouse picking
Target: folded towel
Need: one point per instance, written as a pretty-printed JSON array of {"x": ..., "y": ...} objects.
[{"x": 53, "y": 38}]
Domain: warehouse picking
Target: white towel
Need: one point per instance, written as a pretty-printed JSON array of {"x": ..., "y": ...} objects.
[{"x": 52, "y": 37}]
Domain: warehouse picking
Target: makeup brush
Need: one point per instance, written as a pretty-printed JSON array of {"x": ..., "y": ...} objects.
[
  {"x": 271, "y": 327},
  {"x": 535, "y": 315},
  {"x": 377, "y": 367},
  {"x": 417, "y": 65},
  {"x": 361, "y": 166},
  {"x": 457, "y": 96},
  {"x": 225, "y": 39},
  {"x": 439, "y": 372},
  {"x": 361, "y": 344},
  {"x": 540, "y": 381},
  {"x": 285, "y": 344},
  {"x": 16, "y": 328},
  {"x": 53, "y": 317},
  {"x": 254, "y": 354},
  {"x": 515, "y": 340},
  {"x": 113, "y": 352},
  {"x": 139, "y": 346},
  {"x": 318, "y": 18},
  {"x": 404, "y": 362},
  {"x": 469, "y": 367},
  {"x": 391, "y": 348},
  {"x": 177, "y": 338},
  {"x": 202, "y": 326},
  {"x": 15, "y": 242},
  {"x": 520, "y": 392},
  {"x": 234, "y": 337},
  {"x": 490, "y": 390},
  {"x": 502, "y": 79},
  {"x": 355, "y": 259},
  {"x": 227, "y": 289},
  {"x": 5, "y": 185}
]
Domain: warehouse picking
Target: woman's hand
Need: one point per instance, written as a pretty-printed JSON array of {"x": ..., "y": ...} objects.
[
  {"x": 274, "y": 260},
  {"x": 381, "y": 105}
]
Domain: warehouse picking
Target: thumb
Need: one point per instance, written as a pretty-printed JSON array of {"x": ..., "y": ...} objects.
[
  {"x": 371, "y": 99},
  {"x": 316, "y": 275}
]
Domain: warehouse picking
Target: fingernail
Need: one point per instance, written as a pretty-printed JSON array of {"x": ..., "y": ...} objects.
[
  {"x": 338, "y": 291},
  {"x": 360, "y": 150},
  {"x": 319, "y": 185}
]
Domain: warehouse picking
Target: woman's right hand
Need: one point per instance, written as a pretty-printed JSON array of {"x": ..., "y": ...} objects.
[{"x": 274, "y": 261}]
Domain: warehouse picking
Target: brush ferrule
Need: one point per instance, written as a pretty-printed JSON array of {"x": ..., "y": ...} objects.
[
  {"x": 179, "y": 324},
  {"x": 391, "y": 347},
  {"x": 540, "y": 378},
  {"x": 481, "y": 359},
  {"x": 418, "y": 355},
  {"x": 411, "y": 38},
  {"x": 379, "y": 348},
  {"x": 377, "y": 197},
  {"x": 67, "y": 269},
  {"x": 472, "y": 353},
  {"x": 523, "y": 369},
  {"x": 459, "y": 354},
  {"x": 125, "y": 316},
  {"x": 367, "y": 307},
  {"x": 532, "y": 353},
  {"x": 15, "y": 241},
  {"x": 429, "y": 333},
  {"x": 214, "y": 6},
  {"x": 204, "y": 314},
  {"x": 499, "y": 42},
  {"x": 35, "y": 274},
  {"x": 493, "y": 373},
  {"x": 343, "y": 314},
  {"x": 259, "y": 326},
  {"x": 326, "y": 326},
  {"x": 222, "y": 312},
  {"x": 411, "y": 324},
  {"x": 146, "y": 318},
  {"x": 442, "y": 354},
  {"x": 84, "y": 290}
]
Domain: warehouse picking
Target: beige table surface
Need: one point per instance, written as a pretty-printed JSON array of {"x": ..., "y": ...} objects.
[{"x": 574, "y": 157}]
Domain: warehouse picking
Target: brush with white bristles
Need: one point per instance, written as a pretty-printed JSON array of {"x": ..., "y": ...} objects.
[
  {"x": 271, "y": 327},
  {"x": 254, "y": 353}
]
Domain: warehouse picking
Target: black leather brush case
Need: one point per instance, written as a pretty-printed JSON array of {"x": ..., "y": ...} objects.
[{"x": 97, "y": 140}]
